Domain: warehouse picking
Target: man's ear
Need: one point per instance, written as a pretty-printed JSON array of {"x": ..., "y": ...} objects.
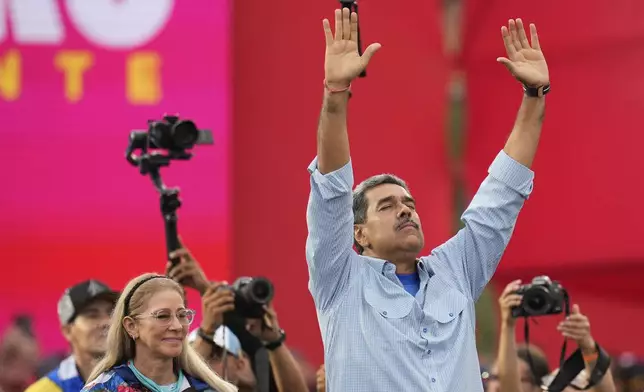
[
  {"x": 67, "y": 332},
  {"x": 131, "y": 327},
  {"x": 360, "y": 235}
]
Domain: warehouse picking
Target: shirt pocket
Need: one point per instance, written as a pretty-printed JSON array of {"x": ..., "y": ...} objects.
[
  {"x": 448, "y": 328},
  {"x": 389, "y": 305},
  {"x": 449, "y": 306}
]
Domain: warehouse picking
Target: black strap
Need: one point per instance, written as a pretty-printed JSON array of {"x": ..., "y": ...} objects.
[
  {"x": 262, "y": 370},
  {"x": 574, "y": 365},
  {"x": 536, "y": 91},
  {"x": 274, "y": 345},
  {"x": 564, "y": 346}
]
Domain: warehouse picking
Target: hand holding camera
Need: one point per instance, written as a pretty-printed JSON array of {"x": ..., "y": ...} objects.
[
  {"x": 577, "y": 327},
  {"x": 509, "y": 300},
  {"x": 541, "y": 297},
  {"x": 216, "y": 301},
  {"x": 267, "y": 328}
]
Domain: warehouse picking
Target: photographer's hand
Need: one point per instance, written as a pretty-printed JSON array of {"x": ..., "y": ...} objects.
[
  {"x": 577, "y": 327},
  {"x": 288, "y": 376},
  {"x": 267, "y": 329},
  {"x": 216, "y": 301},
  {"x": 508, "y": 300},
  {"x": 188, "y": 272}
]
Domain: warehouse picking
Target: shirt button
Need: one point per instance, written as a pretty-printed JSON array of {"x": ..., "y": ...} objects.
[
  {"x": 429, "y": 351},
  {"x": 451, "y": 315},
  {"x": 384, "y": 313},
  {"x": 424, "y": 330},
  {"x": 433, "y": 379}
]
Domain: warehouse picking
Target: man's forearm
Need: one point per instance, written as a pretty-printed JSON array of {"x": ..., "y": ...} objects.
[
  {"x": 606, "y": 384},
  {"x": 508, "y": 364},
  {"x": 286, "y": 371},
  {"x": 524, "y": 139},
  {"x": 333, "y": 140}
]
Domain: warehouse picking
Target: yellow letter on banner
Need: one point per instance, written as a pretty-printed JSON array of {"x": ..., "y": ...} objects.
[
  {"x": 74, "y": 64},
  {"x": 143, "y": 73},
  {"x": 10, "y": 75}
]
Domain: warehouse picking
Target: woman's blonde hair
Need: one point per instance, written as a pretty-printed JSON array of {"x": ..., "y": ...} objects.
[{"x": 120, "y": 346}]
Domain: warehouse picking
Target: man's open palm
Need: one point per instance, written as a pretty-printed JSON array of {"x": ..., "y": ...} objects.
[
  {"x": 525, "y": 60},
  {"x": 342, "y": 61}
]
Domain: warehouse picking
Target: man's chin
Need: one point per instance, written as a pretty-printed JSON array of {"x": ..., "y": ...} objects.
[{"x": 413, "y": 244}]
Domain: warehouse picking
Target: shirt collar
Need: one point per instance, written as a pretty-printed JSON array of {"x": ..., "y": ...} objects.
[{"x": 381, "y": 266}]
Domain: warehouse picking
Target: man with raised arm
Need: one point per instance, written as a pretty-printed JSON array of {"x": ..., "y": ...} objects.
[{"x": 392, "y": 321}]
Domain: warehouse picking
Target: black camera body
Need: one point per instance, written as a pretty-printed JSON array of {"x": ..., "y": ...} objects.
[
  {"x": 171, "y": 134},
  {"x": 541, "y": 297},
  {"x": 251, "y": 294}
]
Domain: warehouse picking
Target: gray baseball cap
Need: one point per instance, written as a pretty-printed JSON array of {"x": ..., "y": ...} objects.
[{"x": 79, "y": 296}]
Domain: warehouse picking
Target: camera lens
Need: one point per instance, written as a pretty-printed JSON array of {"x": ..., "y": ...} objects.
[
  {"x": 536, "y": 301},
  {"x": 184, "y": 135},
  {"x": 261, "y": 290}
]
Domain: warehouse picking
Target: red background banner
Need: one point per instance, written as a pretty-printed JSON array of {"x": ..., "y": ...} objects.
[{"x": 582, "y": 224}]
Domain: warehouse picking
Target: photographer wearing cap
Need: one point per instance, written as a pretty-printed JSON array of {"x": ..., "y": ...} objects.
[
  {"x": 84, "y": 312},
  {"x": 227, "y": 357},
  {"x": 253, "y": 334},
  {"x": 515, "y": 374}
]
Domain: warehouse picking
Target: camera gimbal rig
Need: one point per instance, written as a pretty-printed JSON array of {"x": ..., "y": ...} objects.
[{"x": 175, "y": 137}]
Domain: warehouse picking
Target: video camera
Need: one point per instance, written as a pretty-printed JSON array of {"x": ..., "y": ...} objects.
[
  {"x": 541, "y": 297},
  {"x": 251, "y": 294},
  {"x": 176, "y": 137},
  {"x": 170, "y": 134}
]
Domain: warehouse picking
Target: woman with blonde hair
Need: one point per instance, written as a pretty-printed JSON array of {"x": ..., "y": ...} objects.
[{"x": 147, "y": 348}]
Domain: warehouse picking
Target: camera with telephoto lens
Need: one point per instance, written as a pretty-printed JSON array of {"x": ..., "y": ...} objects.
[
  {"x": 171, "y": 134},
  {"x": 541, "y": 297},
  {"x": 251, "y": 294}
]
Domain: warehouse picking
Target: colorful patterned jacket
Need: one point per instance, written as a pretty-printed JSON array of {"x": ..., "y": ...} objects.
[{"x": 122, "y": 379}]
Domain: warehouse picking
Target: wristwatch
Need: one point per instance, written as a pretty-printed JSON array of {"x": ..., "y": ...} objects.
[
  {"x": 536, "y": 91},
  {"x": 270, "y": 346}
]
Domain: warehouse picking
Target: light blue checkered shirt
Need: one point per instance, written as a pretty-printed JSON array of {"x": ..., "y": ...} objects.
[{"x": 377, "y": 337}]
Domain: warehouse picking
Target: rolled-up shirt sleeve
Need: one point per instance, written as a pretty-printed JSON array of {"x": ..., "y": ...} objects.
[
  {"x": 473, "y": 254},
  {"x": 329, "y": 244}
]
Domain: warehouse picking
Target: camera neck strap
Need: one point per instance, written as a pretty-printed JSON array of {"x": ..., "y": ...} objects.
[
  {"x": 564, "y": 346},
  {"x": 574, "y": 365},
  {"x": 570, "y": 368}
]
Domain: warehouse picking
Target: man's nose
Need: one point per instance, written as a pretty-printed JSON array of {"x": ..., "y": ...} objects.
[
  {"x": 404, "y": 211},
  {"x": 104, "y": 321}
]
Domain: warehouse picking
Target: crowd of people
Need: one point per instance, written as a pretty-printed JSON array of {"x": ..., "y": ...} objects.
[
  {"x": 86, "y": 310},
  {"x": 390, "y": 320}
]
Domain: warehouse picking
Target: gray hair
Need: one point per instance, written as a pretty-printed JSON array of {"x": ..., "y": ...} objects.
[{"x": 360, "y": 202}]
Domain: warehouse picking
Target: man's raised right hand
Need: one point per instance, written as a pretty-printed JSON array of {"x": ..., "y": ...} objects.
[{"x": 342, "y": 62}]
